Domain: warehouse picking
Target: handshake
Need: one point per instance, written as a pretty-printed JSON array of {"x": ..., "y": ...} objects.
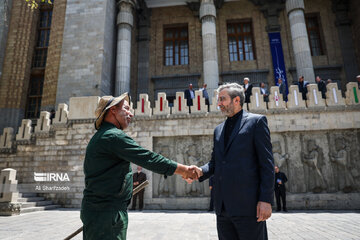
[{"x": 189, "y": 173}]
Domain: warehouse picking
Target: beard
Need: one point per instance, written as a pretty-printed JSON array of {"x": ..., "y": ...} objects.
[{"x": 228, "y": 110}]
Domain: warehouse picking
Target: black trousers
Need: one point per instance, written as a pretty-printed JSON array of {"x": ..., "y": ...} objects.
[
  {"x": 280, "y": 193},
  {"x": 240, "y": 228},
  {"x": 141, "y": 200}
]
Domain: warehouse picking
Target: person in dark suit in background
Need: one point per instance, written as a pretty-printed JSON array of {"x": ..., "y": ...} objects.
[
  {"x": 264, "y": 92},
  {"x": 280, "y": 190},
  {"x": 358, "y": 80},
  {"x": 189, "y": 95},
  {"x": 211, "y": 186},
  {"x": 242, "y": 166},
  {"x": 282, "y": 89},
  {"x": 248, "y": 88},
  {"x": 321, "y": 86},
  {"x": 303, "y": 87},
  {"x": 138, "y": 178}
]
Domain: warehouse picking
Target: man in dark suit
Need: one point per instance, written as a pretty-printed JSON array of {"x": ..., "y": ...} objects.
[
  {"x": 138, "y": 178},
  {"x": 282, "y": 89},
  {"x": 189, "y": 95},
  {"x": 264, "y": 92},
  {"x": 321, "y": 86},
  {"x": 303, "y": 87},
  {"x": 280, "y": 190},
  {"x": 248, "y": 88},
  {"x": 242, "y": 165}
]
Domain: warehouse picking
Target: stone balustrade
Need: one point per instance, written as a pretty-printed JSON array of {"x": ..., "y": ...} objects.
[
  {"x": 83, "y": 108},
  {"x": 161, "y": 105},
  {"x": 257, "y": 100},
  {"x": 6, "y": 139},
  {"x": 43, "y": 123}
]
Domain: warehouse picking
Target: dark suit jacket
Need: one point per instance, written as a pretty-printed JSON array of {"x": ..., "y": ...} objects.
[
  {"x": 139, "y": 177},
  {"x": 282, "y": 89},
  {"x": 281, "y": 176},
  {"x": 303, "y": 88},
  {"x": 322, "y": 88},
  {"x": 248, "y": 93},
  {"x": 189, "y": 100},
  {"x": 244, "y": 170}
]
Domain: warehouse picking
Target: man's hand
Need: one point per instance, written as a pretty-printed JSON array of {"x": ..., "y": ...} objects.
[
  {"x": 263, "y": 211},
  {"x": 198, "y": 171},
  {"x": 187, "y": 172},
  {"x": 136, "y": 183}
]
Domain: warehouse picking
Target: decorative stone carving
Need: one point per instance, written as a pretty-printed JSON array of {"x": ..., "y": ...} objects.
[
  {"x": 295, "y": 100},
  {"x": 276, "y": 99},
  {"x": 314, "y": 98},
  {"x": 61, "y": 115},
  {"x": 352, "y": 93},
  {"x": 180, "y": 106},
  {"x": 6, "y": 139},
  {"x": 143, "y": 106},
  {"x": 161, "y": 105},
  {"x": 312, "y": 161},
  {"x": 24, "y": 132},
  {"x": 8, "y": 193},
  {"x": 256, "y": 100},
  {"x": 199, "y": 103},
  {"x": 279, "y": 158},
  {"x": 43, "y": 123},
  {"x": 333, "y": 96},
  {"x": 341, "y": 159}
]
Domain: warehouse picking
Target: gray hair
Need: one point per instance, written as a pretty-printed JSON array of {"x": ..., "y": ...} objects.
[{"x": 234, "y": 90}]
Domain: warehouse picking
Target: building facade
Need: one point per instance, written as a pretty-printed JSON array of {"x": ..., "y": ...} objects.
[{"x": 106, "y": 47}]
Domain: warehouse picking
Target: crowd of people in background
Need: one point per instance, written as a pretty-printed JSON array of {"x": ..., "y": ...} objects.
[{"x": 302, "y": 84}]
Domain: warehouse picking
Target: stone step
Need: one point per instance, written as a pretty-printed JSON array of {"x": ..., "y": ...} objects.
[
  {"x": 42, "y": 208},
  {"x": 36, "y": 204},
  {"x": 30, "y": 199},
  {"x": 27, "y": 195}
]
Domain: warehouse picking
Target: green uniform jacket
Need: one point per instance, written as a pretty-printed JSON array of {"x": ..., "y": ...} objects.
[{"x": 108, "y": 175}]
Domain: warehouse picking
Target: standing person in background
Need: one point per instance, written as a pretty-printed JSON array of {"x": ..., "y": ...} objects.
[
  {"x": 321, "y": 86},
  {"x": 264, "y": 92},
  {"x": 303, "y": 87},
  {"x": 205, "y": 94},
  {"x": 282, "y": 89},
  {"x": 138, "y": 178},
  {"x": 280, "y": 190},
  {"x": 189, "y": 95},
  {"x": 358, "y": 80},
  {"x": 248, "y": 89}
]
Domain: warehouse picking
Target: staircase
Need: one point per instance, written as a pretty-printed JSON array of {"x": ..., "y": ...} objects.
[{"x": 30, "y": 202}]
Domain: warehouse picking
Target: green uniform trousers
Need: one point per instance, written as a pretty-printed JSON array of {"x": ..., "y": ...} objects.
[{"x": 104, "y": 225}]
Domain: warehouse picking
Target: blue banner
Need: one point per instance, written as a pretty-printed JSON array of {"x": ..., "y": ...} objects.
[{"x": 278, "y": 59}]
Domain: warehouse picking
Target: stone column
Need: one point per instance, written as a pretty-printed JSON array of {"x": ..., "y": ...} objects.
[
  {"x": 210, "y": 60},
  {"x": 304, "y": 65},
  {"x": 123, "y": 58},
  {"x": 143, "y": 39},
  {"x": 343, "y": 24}
]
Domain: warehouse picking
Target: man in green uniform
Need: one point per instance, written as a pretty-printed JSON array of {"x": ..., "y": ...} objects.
[{"x": 108, "y": 175}]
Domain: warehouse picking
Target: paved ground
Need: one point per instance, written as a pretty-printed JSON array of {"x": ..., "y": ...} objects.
[{"x": 158, "y": 225}]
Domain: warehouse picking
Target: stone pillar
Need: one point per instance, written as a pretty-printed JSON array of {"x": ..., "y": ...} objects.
[
  {"x": 300, "y": 41},
  {"x": 343, "y": 24},
  {"x": 210, "y": 60},
  {"x": 143, "y": 39},
  {"x": 123, "y": 58},
  {"x": 5, "y": 10},
  {"x": 8, "y": 193}
]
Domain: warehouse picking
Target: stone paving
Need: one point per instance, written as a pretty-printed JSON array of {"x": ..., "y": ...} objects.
[{"x": 158, "y": 225}]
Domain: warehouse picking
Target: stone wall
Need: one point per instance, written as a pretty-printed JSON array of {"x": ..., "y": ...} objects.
[{"x": 316, "y": 145}]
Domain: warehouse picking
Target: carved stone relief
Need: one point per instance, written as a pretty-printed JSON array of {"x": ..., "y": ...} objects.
[{"x": 189, "y": 150}]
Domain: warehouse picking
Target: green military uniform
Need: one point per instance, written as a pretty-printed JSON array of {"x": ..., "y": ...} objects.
[{"x": 109, "y": 182}]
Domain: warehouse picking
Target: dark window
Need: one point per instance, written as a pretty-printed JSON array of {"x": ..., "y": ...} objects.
[
  {"x": 176, "y": 47},
  {"x": 43, "y": 36},
  {"x": 241, "y": 41},
  {"x": 313, "y": 30},
  {"x": 34, "y": 96},
  {"x": 35, "y": 90}
]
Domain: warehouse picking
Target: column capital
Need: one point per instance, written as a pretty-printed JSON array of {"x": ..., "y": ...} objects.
[
  {"x": 271, "y": 12},
  {"x": 292, "y": 5},
  {"x": 341, "y": 10},
  {"x": 207, "y": 8},
  {"x": 125, "y": 15}
]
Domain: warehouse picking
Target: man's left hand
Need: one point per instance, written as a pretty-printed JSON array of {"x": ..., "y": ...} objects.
[{"x": 263, "y": 211}]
